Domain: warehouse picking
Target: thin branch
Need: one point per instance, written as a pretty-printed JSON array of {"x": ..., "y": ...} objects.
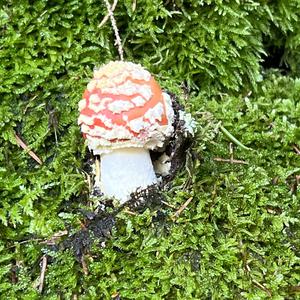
[
  {"x": 231, "y": 161},
  {"x": 56, "y": 236},
  {"x": 51, "y": 241},
  {"x": 182, "y": 208},
  {"x": 115, "y": 28},
  {"x": 104, "y": 20},
  {"x": 25, "y": 147},
  {"x": 231, "y": 151},
  {"x": 43, "y": 272},
  {"x": 129, "y": 212},
  {"x": 294, "y": 289},
  {"x": 97, "y": 173},
  {"x": 297, "y": 150},
  {"x": 84, "y": 266},
  {"x": 168, "y": 204},
  {"x": 262, "y": 287}
]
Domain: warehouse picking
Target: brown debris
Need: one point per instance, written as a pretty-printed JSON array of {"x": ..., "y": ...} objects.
[
  {"x": 296, "y": 149},
  {"x": 84, "y": 266},
  {"x": 44, "y": 263},
  {"x": 262, "y": 287},
  {"x": 25, "y": 147},
  {"x": 56, "y": 236},
  {"x": 231, "y": 161},
  {"x": 182, "y": 208}
]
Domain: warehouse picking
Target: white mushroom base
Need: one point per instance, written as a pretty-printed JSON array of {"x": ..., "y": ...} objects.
[{"x": 123, "y": 171}]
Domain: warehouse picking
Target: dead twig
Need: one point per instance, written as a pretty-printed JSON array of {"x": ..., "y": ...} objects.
[
  {"x": 168, "y": 204},
  {"x": 25, "y": 242},
  {"x": 129, "y": 212},
  {"x": 232, "y": 161},
  {"x": 231, "y": 151},
  {"x": 262, "y": 287},
  {"x": 97, "y": 173},
  {"x": 43, "y": 272},
  {"x": 115, "y": 28},
  {"x": 296, "y": 148},
  {"x": 182, "y": 208},
  {"x": 116, "y": 295},
  {"x": 53, "y": 239},
  {"x": 84, "y": 266},
  {"x": 25, "y": 147},
  {"x": 104, "y": 20},
  {"x": 294, "y": 289}
]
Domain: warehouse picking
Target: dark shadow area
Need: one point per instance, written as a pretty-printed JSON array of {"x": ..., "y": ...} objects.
[{"x": 275, "y": 59}]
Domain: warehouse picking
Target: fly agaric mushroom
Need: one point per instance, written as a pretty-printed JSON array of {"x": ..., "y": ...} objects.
[{"x": 123, "y": 115}]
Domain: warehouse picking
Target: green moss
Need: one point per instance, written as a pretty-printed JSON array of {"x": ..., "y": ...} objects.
[{"x": 239, "y": 237}]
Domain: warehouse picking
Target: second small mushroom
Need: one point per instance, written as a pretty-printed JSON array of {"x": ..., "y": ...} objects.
[{"x": 123, "y": 115}]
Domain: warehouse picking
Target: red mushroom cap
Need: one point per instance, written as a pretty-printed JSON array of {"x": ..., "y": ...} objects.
[{"x": 123, "y": 106}]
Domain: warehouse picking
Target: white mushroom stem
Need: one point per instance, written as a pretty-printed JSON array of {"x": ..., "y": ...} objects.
[{"x": 123, "y": 171}]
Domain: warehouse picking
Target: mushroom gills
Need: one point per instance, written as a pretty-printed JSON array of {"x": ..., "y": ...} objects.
[{"x": 124, "y": 171}]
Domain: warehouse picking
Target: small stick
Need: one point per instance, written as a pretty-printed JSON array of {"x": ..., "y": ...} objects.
[
  {"x": 52, "y": 240},
  {"x": 34, "y": 97},
  {"x": 25, "y": 147},
  {"x": 294, "y": 289},
  {"x": 104, "y": 20},
  {"x": 231, "y": 151},
  {"x": 25, "y": 242},
  {"x": 182, "y": 207},
  {"x": 129, "y": 212},
  {"x": 43, "y": 272},
  {"x": 115, "y": 28},
  {"x": 84, "y": 266},
  {"x": 232, "y": 161},
  {"x": 97, "y": 175},
  {"x": 297, "y": 150},
  {"x": 167, "y": 204},
  {"x": 55, "y": 135},
  {"x": 262, "y": 287}
]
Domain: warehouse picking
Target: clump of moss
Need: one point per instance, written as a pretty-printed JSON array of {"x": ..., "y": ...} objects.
[{"x": 239, "y": 236}]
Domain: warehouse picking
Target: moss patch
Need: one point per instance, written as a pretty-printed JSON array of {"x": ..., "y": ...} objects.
[{"x": 239, "y": 236}]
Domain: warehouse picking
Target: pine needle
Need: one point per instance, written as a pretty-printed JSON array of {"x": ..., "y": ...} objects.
[
  {"x": 25, "y": 147},
  {"x": 182, "y": 208}
]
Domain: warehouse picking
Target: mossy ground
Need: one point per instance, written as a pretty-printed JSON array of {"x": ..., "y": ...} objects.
[{"x": 239, "y": 237}]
